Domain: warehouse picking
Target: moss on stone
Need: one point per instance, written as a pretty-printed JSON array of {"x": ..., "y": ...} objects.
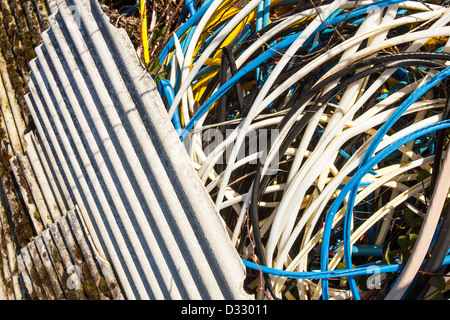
[{"x": 90, "y": 289}]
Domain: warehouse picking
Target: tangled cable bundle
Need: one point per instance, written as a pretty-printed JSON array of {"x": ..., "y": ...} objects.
[{"x": 319, "y": 130}]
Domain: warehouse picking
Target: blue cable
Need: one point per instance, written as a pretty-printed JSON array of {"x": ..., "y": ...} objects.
[
  {"x": 262, "y": 73},
  {"x": 210, "y": 38},
  {"x": 365, "y": 250},
  {"x": 266, "y": 13},
  {"x": 185, "y": 27},
  {"x": 357, "y": 12},
  {"x": 190, "y": 4},
  {"x": 166, "y": 90},
  {"x": 331, "y": 21},
  {"x": 185, "y": 42},
  {"x": 358, "y": 271},
  {"x": 419, "y": 92},
  {"x": 243, "y": 35},
  {"x": 324, "y": 274},
  {"x": 259, "y": 16},
  {"x": 354, "y": 182},
  {"x": 259, "y": 26}
]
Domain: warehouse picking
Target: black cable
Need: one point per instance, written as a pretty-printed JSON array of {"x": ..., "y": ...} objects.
[
  {"x": 223, "y": 80},
  {"x": 254, "y": 221},
  {"x": 378, "y": 66},
  {"x": 301, "y": 124},
  {"x": 209, "y": 88},
  {"x": 228, "y": 58}
]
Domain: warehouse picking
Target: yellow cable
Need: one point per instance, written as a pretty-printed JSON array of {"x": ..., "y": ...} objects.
[
  {"x": 200, "y": 86},
  {"x": 144, "y": 36}
]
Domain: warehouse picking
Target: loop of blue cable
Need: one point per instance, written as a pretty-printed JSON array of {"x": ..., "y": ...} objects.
[
  {"x": 354, "y": 182},
  {"x": 419, "y": 92}
]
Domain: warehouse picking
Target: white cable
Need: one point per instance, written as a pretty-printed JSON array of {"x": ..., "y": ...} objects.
[
  {"x": 372, "y": 220},
  {"x": 347, "y": 99},
  {"x": 301, "y": 182}
]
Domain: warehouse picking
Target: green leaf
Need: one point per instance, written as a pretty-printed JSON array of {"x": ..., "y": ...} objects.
[
  {"x": 408, "y": 214},
  {"x": 393, "y": 254},
  {"x": 438, "y": 282},
  {"x": 416, "y": 222},
  {"x": 438, "y": 296},
  {"x": 406, "y": 242},
  {"x": 340, "y": 266},
  {"x": 411, "y": 218},
  {"x": 423, "y": 174},
  {"x": 362, "y": 282}
]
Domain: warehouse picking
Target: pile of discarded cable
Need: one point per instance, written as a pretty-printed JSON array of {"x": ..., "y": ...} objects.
[{"x": 319, "y": 128}]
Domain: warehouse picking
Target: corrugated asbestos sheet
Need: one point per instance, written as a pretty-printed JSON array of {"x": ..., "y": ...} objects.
[{"x": 106, "y": 157}]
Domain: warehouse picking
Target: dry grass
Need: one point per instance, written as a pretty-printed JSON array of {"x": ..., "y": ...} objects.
[{"x": 163, "y": 17}]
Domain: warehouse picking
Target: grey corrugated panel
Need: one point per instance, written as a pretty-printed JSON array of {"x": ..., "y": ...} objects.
[
  {"x": 49, "y": 180},
  {"x": 62, "y": 263},
  {"x": 30, "y": 8},
  {"x": 50, "y": 267},
  {"x": 28, "y": 272},
  {"x": 26, "y": 279},
  {"x": 35, "y": 191},
  {"x": 98, "y": 113}
]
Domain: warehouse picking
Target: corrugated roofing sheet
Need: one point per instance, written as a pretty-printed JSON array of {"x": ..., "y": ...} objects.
[{"x": 111, "y": 151}]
